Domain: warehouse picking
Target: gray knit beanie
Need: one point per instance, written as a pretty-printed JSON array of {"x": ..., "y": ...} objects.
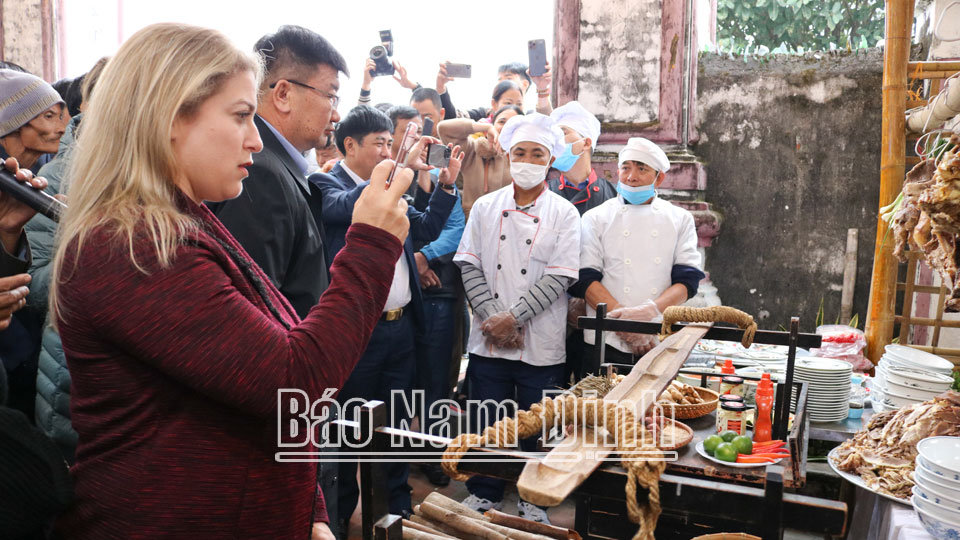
[{"x": 23, "y": 97}]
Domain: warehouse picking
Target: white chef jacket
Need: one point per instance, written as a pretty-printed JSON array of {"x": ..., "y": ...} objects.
[
  {"x": 514, "y": 249},
  {"x": 635, "y": 247}
]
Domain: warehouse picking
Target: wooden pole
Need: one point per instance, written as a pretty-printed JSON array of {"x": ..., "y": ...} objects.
[{"x": 896, "y": 54}]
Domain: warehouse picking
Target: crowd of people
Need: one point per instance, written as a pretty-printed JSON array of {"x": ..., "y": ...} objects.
[{"x": 229, "y": 234}]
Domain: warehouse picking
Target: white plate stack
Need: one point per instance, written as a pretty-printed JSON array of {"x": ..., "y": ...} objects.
[
  {"x": 906, "y": 376},
  {"x": 828, "y": 387},
  {"x": 936, "y": 490}
]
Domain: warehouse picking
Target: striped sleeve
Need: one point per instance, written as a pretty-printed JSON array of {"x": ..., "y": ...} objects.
[
  {"x": 478, "y": 292},
  {"x": 543, "y": 293}
]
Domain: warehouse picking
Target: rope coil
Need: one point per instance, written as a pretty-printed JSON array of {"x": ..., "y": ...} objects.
[
  {"x": 631, "y": 438},
  {"x": 675, "y": 314}
]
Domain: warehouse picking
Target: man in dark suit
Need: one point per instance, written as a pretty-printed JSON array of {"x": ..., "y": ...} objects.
[
  {"x": 277, "y": 217},
  {"x": 365, "y": 137}
]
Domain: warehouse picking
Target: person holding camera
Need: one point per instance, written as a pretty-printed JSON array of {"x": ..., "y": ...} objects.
[
  {"x": 177, "y": 341},
  {"x": 365, "y": 137}
]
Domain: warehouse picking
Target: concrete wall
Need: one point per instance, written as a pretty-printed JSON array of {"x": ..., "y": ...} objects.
[
  {"x": 792, "y": 149},
  {"x": 27, "y": 31}
]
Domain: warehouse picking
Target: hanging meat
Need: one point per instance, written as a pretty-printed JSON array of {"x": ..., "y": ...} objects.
[{"x": 928, "y": 219}]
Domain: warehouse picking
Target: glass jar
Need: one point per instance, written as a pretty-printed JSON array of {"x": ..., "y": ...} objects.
[
  {"x": 732, "y": 385},
  {"x": 731, "y": 416}
]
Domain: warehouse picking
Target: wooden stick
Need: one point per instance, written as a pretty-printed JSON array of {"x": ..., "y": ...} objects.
[
  {"x": 423, "y": 528},
  {"x": 514, "y": 522},
  {"x": 409, "y": 533},
  {"x": 451, "y": 505},
  {"x": 514, "y": 534},
  {"x": 442, "y": 527},
  {"x": 469, "y": 528}
]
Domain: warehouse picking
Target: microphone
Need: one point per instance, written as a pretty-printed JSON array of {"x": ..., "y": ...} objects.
[{"x": 28, "y": 195}]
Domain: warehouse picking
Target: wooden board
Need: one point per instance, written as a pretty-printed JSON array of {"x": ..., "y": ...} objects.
[{"x": 550, "y": 481}]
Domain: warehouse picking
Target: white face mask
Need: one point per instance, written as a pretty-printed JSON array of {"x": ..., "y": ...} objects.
[{"x": 528, "y": 175}]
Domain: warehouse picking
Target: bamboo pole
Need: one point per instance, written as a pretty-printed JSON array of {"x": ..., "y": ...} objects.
[{"x": 896, "y": 54}]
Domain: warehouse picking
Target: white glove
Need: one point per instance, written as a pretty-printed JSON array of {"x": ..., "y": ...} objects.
[{"x": 645, "y": 312}]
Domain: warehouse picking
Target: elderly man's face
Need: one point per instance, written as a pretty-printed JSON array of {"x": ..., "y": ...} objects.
[{"x": 314, "y": 107}]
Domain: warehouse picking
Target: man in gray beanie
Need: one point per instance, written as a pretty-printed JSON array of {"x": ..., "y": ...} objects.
[{"x": 33, "y": 117}]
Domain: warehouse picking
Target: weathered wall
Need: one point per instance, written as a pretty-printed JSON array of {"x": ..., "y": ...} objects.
[
  {"x": 793, "y": 157},
  {"x": 25, "y": 25},
  {"x": 620, "y": 41}
]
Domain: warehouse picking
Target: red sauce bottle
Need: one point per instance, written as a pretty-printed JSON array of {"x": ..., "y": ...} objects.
[{"x": 762, "y": 427}]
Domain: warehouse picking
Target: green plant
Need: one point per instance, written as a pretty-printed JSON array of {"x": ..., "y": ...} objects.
[
  {"x": 854, "y": 321},
  {"x": 798, "y": 25}
]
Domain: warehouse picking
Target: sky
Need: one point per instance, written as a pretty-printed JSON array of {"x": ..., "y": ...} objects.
[{"x": 484, "y": 34}]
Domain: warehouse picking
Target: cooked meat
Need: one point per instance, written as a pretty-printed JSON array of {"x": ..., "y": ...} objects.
[{"x": 883, "y": 452}]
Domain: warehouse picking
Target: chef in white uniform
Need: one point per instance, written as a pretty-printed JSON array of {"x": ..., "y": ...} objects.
[
  {"x": 638, "y": 253},
  {"x": 519, "y": 253}
]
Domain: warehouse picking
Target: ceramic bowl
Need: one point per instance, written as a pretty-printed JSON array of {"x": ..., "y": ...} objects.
[
  {"x": 923, "y": 476},
  {"x": 936, "y": 510},
  {"x": 919, "y": 358},
  {"x": 938, "y": 528},
  {"x": 942, "y": 456},
  {"x": 899, "y": 400},
  {"x": 927, "y": 381},
  {"x": 912, "y": 393},
  {"x": 930, "y": 494}
]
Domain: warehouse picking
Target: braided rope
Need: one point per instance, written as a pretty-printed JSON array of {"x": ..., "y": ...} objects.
[
  {"x": 641, "y": 473},
  {"x": 675, "y": 314}
]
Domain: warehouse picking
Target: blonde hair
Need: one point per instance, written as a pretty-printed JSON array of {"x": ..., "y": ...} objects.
[{"x": 123, "y": 169}]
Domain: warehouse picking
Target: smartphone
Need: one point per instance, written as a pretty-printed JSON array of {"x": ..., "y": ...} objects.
[
  {"x": 438, "y": 156},
  {"x": 537, "y": 55},
  {"x": 409, "y": 139},
  {"x": 458, "y": 71},
  {"x": 428, "y": 127}
]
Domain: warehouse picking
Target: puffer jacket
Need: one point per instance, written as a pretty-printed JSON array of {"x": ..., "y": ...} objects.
[{"x": 53, "y": 379}]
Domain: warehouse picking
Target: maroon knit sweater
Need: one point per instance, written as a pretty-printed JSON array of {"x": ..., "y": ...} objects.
[{"x": 175, "y": 377}]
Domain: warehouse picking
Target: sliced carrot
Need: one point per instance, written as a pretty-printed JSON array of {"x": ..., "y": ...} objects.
[
  {"x": 769, "y": 456},
  {"x": 753, "y": 459}
]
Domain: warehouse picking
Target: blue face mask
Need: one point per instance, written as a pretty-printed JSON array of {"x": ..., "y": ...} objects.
[
  {"x": 636, "y": 195},
  {"x": 567, "y": 159}
]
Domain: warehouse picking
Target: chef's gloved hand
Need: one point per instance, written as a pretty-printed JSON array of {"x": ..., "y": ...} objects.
[
  {"x": 501, "y": 329},
  {"x": 645, "y": 312},
  {"x": 576, "y": 308}
]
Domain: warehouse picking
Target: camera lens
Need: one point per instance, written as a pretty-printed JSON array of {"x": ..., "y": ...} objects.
[{"x": 378, "y": 52}]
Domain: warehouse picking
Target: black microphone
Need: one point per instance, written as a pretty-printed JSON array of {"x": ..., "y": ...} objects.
[{"x": 28, "y": 195}]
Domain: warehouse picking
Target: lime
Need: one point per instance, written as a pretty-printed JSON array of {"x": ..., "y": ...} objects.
[
  {"x": 711, "y": 443},
  {"x": 743, "y": 444},
  {"x": 728, "y": 435},
  {"x": 726, "y": 452}
]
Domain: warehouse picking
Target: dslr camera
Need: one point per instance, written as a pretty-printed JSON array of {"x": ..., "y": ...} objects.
[{"x": 381, "y": 55}]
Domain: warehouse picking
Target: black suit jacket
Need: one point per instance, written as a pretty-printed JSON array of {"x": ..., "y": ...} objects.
[
  {"x": 340, "y": 193},
  {"x": 277, "y": 221}
]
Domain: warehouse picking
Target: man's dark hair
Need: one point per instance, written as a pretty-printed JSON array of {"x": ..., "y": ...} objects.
[
  {"x": 360, "y": 122},
  {"x": 423, "y": 94},
  {"x": 515, "y": 67},
  {"x": 383, "y": 107},
  {"x": 401, "y": 112},
  {"x": 294, "y": 51},
  {"x": 11, "y": 65},
  {"x": 70, "y": 91}
]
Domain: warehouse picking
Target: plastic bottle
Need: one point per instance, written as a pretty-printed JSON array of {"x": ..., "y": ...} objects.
[
  {"x": 762, "y": 428},
  {"x": 727, "y": 368}
]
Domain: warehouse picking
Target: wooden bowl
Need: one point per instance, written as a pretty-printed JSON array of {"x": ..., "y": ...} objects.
[{"x": 671, "y": 434}]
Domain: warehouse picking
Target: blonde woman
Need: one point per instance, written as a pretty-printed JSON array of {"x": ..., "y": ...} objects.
[{"x": 176, "y": 341}]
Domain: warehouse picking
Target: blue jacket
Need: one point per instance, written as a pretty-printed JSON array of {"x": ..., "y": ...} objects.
[{"x": 340, "y": 193}]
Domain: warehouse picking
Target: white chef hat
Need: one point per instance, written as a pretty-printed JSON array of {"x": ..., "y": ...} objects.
[
  {"x": 645, "y": 151},
  {"x": 575, "y": 117},
  {"x": 533, "y": 127}
]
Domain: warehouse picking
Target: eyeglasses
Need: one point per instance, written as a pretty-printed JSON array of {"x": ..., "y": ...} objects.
[{"x": 334, "y": 99}]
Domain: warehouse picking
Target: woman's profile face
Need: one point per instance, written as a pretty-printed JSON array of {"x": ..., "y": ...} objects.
[
  {"x": 501, "y": 120},
  {"x": 214, "y": 146}
]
